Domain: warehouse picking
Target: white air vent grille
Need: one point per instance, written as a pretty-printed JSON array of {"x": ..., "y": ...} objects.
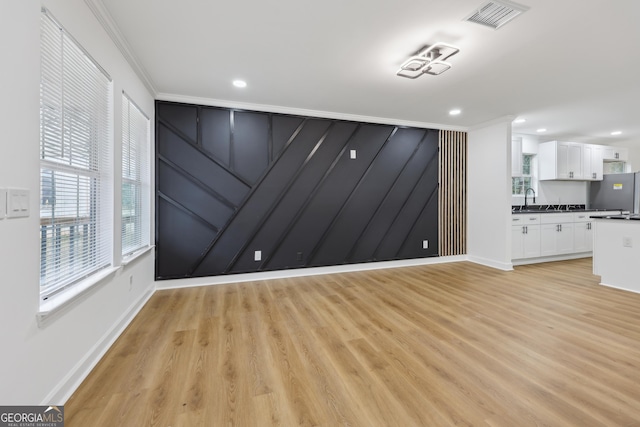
[{"x": 495, "y": 13}]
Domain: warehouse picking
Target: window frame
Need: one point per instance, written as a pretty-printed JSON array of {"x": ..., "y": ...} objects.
[
  {"x": 532, "y": 176},
  {"x": 76, "y": 143},
  {"x": 141, "y": 181}
]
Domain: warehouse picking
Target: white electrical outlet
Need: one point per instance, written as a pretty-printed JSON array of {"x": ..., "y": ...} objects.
[
  {"x": 257, "y": 256},
  {"x": 3, "y": 203},
  {"x": 425, "y": 244},
  {"x": 627, "y": 242},
  {"x": 352, "y": 153}
]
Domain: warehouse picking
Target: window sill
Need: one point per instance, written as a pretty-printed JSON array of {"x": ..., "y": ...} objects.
[
  {"x": 64, "y": 299},
  {"x": 137, "y": 254}
]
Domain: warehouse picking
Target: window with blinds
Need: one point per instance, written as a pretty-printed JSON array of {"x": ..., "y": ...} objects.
[
  {"x": 76, "y": 230},
  {"x": 135, "y": 178}
]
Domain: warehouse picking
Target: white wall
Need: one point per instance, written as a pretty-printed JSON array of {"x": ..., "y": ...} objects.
[
  {"x": 489, "y": 195},
  {"x": 43, "y": 364}
]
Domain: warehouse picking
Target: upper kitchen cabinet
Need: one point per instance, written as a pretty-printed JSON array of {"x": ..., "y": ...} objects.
[
  {"x": 592, "y": 162},
  {"x": 561, "y": 160},
  {"x": 615, "y": 154}
]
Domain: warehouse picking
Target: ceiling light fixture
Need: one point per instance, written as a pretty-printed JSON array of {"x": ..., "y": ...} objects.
[
  {"x": 239, "y": 83},
  {"x": 455, "y": 112},
  {"x": 430, "y": 60},
  {"x": 519, "y": 121},
  {"x": 541, "y": 130},
  {"x": 616, "y": 133}
]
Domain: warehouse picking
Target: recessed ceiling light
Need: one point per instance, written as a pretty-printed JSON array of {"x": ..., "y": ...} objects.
[
  {"x": 455, "y": 112},
  {"x": 541, "y": 130},
  {"x": 239, "y": 83},
  {"x": 616, "y": 133},
  {"x": 518, "y": 121}
]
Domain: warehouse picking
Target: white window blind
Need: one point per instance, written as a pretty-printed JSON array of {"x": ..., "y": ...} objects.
[
  {"x": 75, "y": 163},
  {"x": 135, "y": 178}
]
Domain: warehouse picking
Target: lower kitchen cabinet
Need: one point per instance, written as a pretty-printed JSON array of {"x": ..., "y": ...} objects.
[
  {"x": 583, "y": 232},
  {"x": 556, "y": 239},
  {"x": 552, "y": 235},
  {"x": 525, "y": 236}
]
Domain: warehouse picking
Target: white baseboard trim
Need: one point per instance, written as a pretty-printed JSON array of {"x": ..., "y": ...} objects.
[
  {"x": 504, "y": 266},
  {"x": 538, "y": 260},
  {"x": 635, "y": 291},
  {"x": 65, "y": 388},
  {"x": 302, "y": 272}
]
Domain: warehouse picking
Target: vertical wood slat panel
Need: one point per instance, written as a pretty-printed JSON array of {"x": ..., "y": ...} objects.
[{"x": 452, "y": 193}]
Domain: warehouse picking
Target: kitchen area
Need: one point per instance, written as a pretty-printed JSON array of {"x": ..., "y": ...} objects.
[{"x": 576, "y": 200}]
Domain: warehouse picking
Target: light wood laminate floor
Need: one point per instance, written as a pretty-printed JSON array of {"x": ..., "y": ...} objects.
[{"x": 440, "y": 345}]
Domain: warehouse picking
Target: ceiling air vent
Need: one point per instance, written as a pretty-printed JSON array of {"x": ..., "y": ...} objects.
[{"x": 495, "y": 13}]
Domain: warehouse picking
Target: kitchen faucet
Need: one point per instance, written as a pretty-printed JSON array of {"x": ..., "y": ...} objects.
[{"x": 526, "y": 192}]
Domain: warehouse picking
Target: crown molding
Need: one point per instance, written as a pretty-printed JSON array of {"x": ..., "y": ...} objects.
[
  {"x": 302, "y": 112},
  {"x": 103, "y": 16}
]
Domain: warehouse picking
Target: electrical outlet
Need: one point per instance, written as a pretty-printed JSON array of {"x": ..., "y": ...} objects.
[
  {"x": 627, "y": 242},
  {"x": 352, "y": 154},
  {"x": 257, "y": 256},
  {"x": 425, "y": 244}
]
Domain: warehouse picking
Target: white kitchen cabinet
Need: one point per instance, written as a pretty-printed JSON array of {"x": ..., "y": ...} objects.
[
  {"x": 556, "y": 234},
  {"x": 516, "y": 157},
  {"x": 592, "y": 161},
  {"x": 525, "y": 236},
  {"x": 615, "y": 154},
  {"x": 560, "y": 160},
  {"x": 583, "y": 232}
]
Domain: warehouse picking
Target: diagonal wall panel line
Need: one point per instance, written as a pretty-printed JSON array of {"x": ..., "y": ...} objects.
[
  {"x": 395, "y": 218},
  {"x": 246, "y": 199},
  {"x": 204, "y": 153},
  {"x": 187, "y": 211},
  {"x": 351, "y": 252},
  {"x": 307, "y": 201},
  {"x": 197, "y": 182},
  {"x": 276, "y": 202},
  {"x": 336, "y": 217},
  {"x": 433, "y": 194}
]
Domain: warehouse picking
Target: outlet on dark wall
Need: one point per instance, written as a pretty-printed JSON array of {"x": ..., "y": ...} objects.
[{"x": 301, "y": 191}]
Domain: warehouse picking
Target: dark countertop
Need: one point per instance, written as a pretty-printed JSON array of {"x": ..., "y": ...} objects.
[
  {"x": 543, "y": 211},
  {"x": 635, "y": 217}
]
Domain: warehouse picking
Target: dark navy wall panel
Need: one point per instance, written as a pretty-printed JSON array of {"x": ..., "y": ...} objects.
[{"x": 230, "y": 183}]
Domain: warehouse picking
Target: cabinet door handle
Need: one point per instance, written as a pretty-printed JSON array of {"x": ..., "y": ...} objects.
[
  {"x": 594, "y": 175},
  {"x": 560, "y": 227},
  {"x": 570, "y": 174},
  {"x": 526, "y": 229},
  {"x": 617, "y": 156}
]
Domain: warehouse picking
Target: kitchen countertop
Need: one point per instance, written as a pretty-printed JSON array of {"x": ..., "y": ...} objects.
[
  {"x": 543, "y": 211},
  {"x": 633, "y": 217}
]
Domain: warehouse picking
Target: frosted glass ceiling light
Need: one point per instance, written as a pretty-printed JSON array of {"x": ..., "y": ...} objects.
[{"x": 430, "y": 60}]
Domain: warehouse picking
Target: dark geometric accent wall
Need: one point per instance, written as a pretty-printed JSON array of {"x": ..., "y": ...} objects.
[{"x": 233, "y": 182}]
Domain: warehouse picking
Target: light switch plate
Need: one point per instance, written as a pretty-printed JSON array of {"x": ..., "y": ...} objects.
[
  {"x": 3, "y": 202},
  {"x": 257, "y": 256},
  {"x": 17, "y": 203},
  {"x": 352, "y": 154}
]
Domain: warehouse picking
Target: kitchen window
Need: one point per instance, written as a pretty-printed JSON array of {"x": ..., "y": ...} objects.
[{"x": 526, "y": 178}]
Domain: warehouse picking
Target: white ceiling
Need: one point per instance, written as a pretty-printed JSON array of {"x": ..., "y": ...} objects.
[{"x": 571, "y": 66}]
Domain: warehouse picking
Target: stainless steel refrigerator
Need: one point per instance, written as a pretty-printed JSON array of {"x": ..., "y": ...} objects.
[{"x": 616, "y": 191}]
